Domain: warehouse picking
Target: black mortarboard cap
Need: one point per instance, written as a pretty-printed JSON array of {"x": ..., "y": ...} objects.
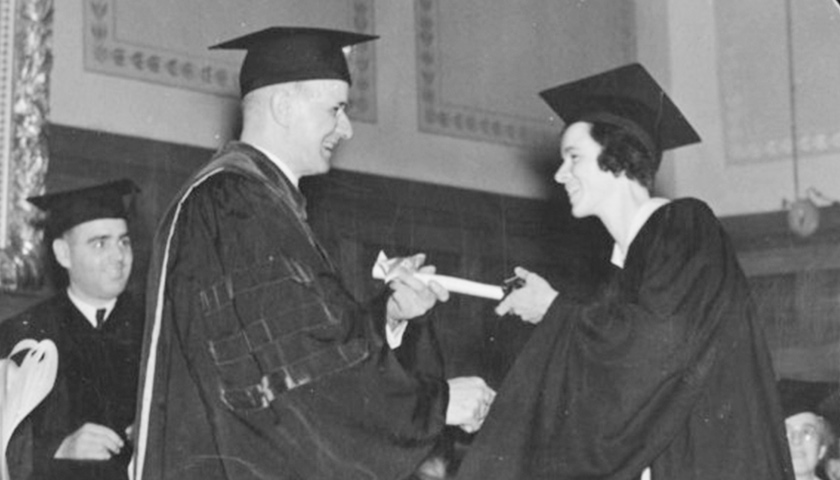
[
  {"x": 627, "y": 96},
  {"x": 69, "y": 208},
  {"x": 291, "y": 54},
  {"x": 799, "y": 396}
]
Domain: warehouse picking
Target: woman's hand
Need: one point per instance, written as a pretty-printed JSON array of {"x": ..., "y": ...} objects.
[{"x": 530, "y": 301}]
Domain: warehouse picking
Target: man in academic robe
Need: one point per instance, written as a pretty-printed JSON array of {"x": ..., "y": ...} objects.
[
  {"x": 80, "y": 430},
  {"x": 258, "y": 363},
  {"x": 665, "y": 373}
]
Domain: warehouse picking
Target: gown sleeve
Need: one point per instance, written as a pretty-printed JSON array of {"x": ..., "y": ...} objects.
[{"x": 604, "y": 387}]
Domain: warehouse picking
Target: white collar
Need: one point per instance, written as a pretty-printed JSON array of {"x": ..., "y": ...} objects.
[
  {"x": 639, "y": 220},
  {"x": 281, "y": 165},
  {"x": 88, "y": 310}
]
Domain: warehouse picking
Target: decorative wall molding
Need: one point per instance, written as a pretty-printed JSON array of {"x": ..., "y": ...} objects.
[
  {"x": 152, "y": 60},
  {"x": 437, "y": 115},
  {"x": 26, "y": 60},
  {"x": 545, "y": 38},
  {"x": 754, "y": 77}
]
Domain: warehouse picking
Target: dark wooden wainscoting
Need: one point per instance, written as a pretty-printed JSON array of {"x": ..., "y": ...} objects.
[
  {"x": 796, "y": 284},
  {"x": 465, "y": 233},
  {"x": 480, "y": 236}
]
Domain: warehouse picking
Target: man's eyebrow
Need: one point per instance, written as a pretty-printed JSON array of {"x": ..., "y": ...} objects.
[{"x": 97, "y": 238}]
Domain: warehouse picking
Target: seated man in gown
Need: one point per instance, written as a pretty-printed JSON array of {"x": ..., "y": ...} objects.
[{"x": 80, "y": 429}]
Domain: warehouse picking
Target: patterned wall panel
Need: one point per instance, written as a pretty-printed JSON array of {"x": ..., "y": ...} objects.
[
  {"x": 480, "y": 64},
  {"x": 166, "y": 42},
  {"x": 755, "y": 78}
]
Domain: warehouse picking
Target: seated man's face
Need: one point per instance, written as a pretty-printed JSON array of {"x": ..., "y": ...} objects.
[
  {"x": 97, "y": 255},
  {"x": 805, "y": 440},
  {"x": 832, "y": 468}
]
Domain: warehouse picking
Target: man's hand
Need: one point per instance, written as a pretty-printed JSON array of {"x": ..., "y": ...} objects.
[
  {"x": 469, "y": 401},
  {"x": 531, "y": 300},
  {"x": 90, "y": 442},
  {"x": 411, "y": 297}
]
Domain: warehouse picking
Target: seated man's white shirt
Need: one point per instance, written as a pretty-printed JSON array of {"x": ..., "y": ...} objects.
[{"x": 88, "y": 310}]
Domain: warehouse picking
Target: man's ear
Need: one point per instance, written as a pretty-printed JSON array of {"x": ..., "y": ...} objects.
[
  {"x": 280, "y": 105},
  {"x": 61, "y": 250}
]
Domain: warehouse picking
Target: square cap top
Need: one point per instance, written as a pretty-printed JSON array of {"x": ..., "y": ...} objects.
[
  {"x": 627, "y": 96},
  {"x": 69, "y": 208},
  {"x": 819, "y": 398},
  {"x": 291, "y": 54}
]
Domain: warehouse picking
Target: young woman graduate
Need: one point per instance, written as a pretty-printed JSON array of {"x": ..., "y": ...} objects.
[{"x": 665, "y": 372}]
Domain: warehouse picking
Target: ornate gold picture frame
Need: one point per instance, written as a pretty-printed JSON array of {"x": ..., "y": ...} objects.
[{"x": 25, "y": 60}]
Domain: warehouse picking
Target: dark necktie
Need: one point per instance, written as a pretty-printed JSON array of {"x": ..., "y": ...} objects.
[{"x": 100, "y": 317}]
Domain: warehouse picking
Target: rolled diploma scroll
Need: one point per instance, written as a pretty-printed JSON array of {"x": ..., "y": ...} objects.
[{"x": 384, "y": 269}]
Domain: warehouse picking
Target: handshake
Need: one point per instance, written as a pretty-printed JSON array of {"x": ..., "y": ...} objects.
[
  {"x": 469, "y": 402},
  {"x": 469, "y": 397}
]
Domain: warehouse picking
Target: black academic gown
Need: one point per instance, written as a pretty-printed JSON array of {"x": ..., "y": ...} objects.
[
  {"x": 259, "y": 363},
  {"x": 96, "y": 382},
  {"x": 666, "y": 369}
]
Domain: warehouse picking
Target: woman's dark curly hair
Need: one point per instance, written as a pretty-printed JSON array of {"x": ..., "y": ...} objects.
[{"x": 624, "y": 152}]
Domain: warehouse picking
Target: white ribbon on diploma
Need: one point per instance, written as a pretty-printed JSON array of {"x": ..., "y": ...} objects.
[{"x": 385, "y": 269}]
